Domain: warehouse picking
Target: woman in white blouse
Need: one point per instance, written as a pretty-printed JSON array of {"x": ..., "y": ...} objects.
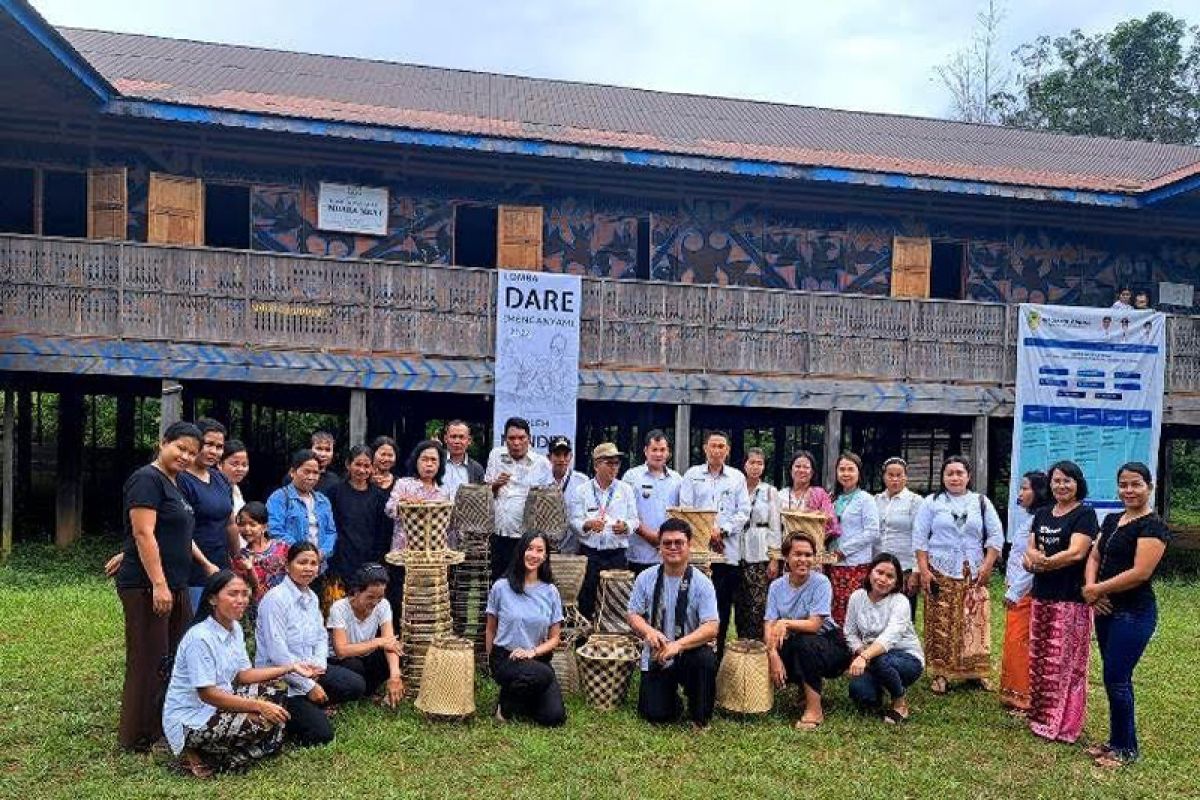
[
  {"x": 290, "y": 628},
  {"x": 220, "y": 714},
  {"x": 957, "y": 538},
  {"x": 762, "y": 535},
  {"x": 897, "y": 509},
  {"x": 887, "y": 653},
  {"x": 858, "y": 518}
]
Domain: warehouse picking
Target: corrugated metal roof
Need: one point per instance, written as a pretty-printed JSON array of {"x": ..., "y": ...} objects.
[{"x": 238, "y": 78}]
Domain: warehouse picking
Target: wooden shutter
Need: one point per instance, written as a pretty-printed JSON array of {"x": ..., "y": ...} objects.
[
  {"x": 176, "y": 210},
  {"x": 912, "y": 259},
  {"x": 519, "y": 237},
  {"x": 108, "y": 203}
]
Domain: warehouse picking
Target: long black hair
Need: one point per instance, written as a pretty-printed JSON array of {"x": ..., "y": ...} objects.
[
  {"x": 1039, "y": 482},
  {"x": 212, "y": 587},
  {"x": 516, "y": 567}
]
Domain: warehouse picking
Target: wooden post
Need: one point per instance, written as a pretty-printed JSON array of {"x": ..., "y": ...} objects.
[
  {"x": 358, "y": 416},
  {"x": 24, "y": 467},
  {"x": 833, "y": 446},
  {"x": 6, "y": 493},
  {"x": 172, "y": 405},
  {"x": 683, "y": 436},
  {"x": 1165, "y": 467},
  {"x": 125, "y": 438},
  {"x": 68, "y": 504},
  {"x": 979, "y": 455}
]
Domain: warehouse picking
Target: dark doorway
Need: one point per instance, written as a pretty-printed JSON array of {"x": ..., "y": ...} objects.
[
  {"x": 946, "y": 276},
  {"x": 227, "y": 216},
  {"x": 64, "y": 204},
  {"x": 475, "y": 236},
  {"x": 643, "y": 249},
  {"x": 16, "y": 200}
]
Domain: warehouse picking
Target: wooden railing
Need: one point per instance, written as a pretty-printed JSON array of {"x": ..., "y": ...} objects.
[{"x": 125, "y": 290}]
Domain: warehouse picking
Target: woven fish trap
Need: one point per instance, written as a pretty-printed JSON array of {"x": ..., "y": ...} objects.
[
  {"x": 546, "y": 512},
  {"x": 448, "y": 686},
  {"x": 566, "y": 667},
  {"x": 569, "y": 572},
  {"x": 703, "y": 524},
  {"x": 606, "y": 664},
  {"x": 616, "y": 585},
  {"x": 744, "y": 678},
  {"x": 425, "y": 525},
  {"x": 474, "y": 510}
]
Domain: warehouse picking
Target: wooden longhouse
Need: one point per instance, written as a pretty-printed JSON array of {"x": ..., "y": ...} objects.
[{"x": 804, "y": 277}]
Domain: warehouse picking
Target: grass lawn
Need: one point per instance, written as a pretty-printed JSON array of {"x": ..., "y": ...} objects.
[{"x": 61, "y": 656}]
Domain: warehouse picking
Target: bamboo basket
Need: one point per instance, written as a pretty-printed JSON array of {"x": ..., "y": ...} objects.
[
  {"x": 606, "y": 665},
  {"x": 448, "y": 689},
  {"x": 569, "y": 572},
  {"x": 474, "y": 510},
  {"x": 704, "y": 525},
  {"x": 744, "y": 678},
  {"x": 810, "y": 523},
  {"x": 612, "y": 608}
]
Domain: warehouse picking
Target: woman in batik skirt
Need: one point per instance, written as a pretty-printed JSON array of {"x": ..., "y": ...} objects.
[
  {"x": 1014, "y": 663},
  {"x": 220, "y": 714},
  {"x": 957, "y": 537},
  {"x": 1060, "y": 629},
  {"x": 760, "y": 539},
  {"x": 858, "y": 519}
]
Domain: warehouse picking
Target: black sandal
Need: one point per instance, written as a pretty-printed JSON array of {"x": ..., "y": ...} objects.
[{"x": 894, "y": 717}]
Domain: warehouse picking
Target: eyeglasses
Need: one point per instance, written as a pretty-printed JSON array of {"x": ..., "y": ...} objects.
[{"x": 674, "y": 544}]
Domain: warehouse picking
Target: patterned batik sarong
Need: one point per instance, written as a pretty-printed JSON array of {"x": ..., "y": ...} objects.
[
  {"x": 845, "y": 580},
  {"x": 750, "y": 601},
  {"x": 958, "y": 638},
  {"x": 1014, "y": 665},
  {"x": 232, "y": 740},
  {"x": 1059, "y": 645}
]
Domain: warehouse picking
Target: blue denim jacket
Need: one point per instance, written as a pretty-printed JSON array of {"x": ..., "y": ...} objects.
[{"x": 287, "y": 520}]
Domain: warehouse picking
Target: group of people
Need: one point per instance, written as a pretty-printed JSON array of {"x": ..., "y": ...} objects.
[{"x": 303, "y": 574}]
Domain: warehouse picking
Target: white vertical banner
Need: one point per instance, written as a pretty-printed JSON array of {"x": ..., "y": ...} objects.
[
  {"x": 1090, "y": 385},
  {"x": 537, "y": 353}
]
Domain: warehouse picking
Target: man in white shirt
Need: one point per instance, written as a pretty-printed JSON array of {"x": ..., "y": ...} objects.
[
  {"x": 1124, "y": 300},
  {"x": 655, "y": 489},
  {"x": 567, "y": 480},
  {"x": 461, "y": 469},
  {"x": 512, "y": 469},
  {"x": 604, "y": 515},
  {"x": 714, "y": 486}
]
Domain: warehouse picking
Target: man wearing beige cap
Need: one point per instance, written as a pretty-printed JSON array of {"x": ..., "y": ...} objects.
[{"x": 603, "y": 514}]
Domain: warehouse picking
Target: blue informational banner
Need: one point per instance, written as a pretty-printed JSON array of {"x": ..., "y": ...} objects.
[
  {"x": 537, "y": 353},
  {"x": 1089, "y": 390}
]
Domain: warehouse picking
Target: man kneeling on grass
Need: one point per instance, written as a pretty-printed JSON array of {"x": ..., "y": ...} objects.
[{"x": 673, "y": 608}]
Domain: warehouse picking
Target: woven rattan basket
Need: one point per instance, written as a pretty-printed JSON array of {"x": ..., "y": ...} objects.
[
  {"x": 474, "y": 510},
  {"x": 810, "y": 523},
  {"x": 566, "y": 667},
  {"x": 703, "y": 524},
  {"x": 546, "y": 512},
  {"x": 606, "y": 664},
  {"x": 448, "y": 687},
  {"x": 425, "y": 525},
  {"x": 568, "y": 572},
  {"x": 612, "y": 606},
  {"x": 744, "y": 678}
]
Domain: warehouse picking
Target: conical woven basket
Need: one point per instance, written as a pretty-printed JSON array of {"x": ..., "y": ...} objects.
[
  {"x": 810, "y": 523},
  {"x": 474, "y": 509},
  {"x": 448, "y": 687},
  {"x": 568, "y": 572},
  {"x": 744, "y": 678},
  {"x": 546, "y": 512},
  {"x": 566, "y": 667},
  {"x": 703, "y": 524},
  {"x": 606, "y": 664},
  {"x": 612, "y": 608}
]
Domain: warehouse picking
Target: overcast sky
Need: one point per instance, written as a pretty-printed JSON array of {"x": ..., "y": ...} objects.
[{"x": 871, "y": 55}]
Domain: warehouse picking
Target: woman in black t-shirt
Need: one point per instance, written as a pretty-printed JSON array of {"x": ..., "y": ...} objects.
[
  {"x": 1117, "y": 586},
  {"x": 364, "y": 531},
  {"x": 1060, "y": 629},
  {"x": 152, "y": 581}
]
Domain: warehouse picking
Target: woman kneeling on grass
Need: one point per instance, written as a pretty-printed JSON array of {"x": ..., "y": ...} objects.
[
  {"x": 804, "y": 645},
  {"x": 524, "y": 617},
  {"x": 290, "y": 629},
  {"x": 879, "y": 629},
  {"x": 220, "y": 714},
  {"x": 362, "y": 636}
]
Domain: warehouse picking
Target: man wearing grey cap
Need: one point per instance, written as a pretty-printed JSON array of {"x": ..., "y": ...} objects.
[
  {"x": 603, "y": 516},
  {"x": 567, "y": 480}
]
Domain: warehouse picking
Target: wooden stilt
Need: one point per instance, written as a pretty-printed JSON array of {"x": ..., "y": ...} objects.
[
  {"x": 7, "y": 495},
  {"x": 358, "y": 416},
  {"x": 172, "y": 405},
  {"x": 833, "y": 446},
  {"x": 683, "y": 436},
  {"x": 68, "y": 504}
]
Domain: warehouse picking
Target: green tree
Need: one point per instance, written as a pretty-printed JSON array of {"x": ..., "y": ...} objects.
[{"x": 1139, "y": 81}]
